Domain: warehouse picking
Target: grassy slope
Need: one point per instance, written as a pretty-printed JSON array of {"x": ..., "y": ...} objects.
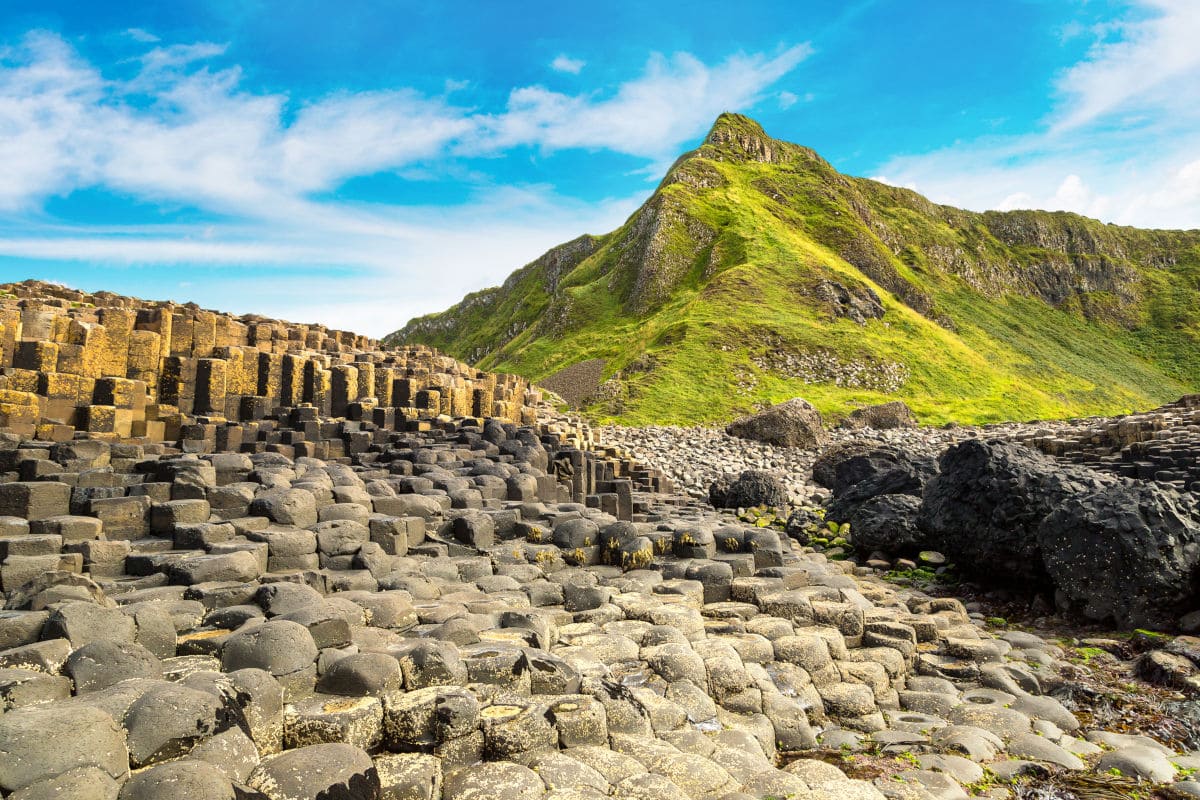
[{"x": 780, "y": 229}]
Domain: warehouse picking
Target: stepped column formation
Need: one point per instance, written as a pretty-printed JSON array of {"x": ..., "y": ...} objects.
[
  {"x": 119, "y": 367},
  {"x": 1161, "y": 445}
]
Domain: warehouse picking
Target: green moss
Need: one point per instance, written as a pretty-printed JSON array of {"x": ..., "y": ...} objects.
[{"x": 694, "y": 299}]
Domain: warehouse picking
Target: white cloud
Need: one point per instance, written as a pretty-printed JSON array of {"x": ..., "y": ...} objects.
[
  {"x": 141, "y": 35},
  {"x": 355, "y": 134},
  {"x": 1151, "y": 59},
  {"x": 162, "y": 59},
  {"x": 563, "y": 63},
  {"x": 649, "y": 116},
  {"x": 885, "y": 179},
  {"x": 393, "y": 265},
  {"x": 184, "y": 130},
  {"x": 1122, "y": 144},
  {"x": 787, "y": 100}
]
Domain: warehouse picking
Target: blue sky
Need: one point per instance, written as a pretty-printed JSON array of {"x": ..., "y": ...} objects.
[{"x": 361, "y": 162}]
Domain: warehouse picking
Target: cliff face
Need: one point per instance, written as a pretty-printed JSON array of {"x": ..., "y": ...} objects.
[{"x": 756, "y": 271}]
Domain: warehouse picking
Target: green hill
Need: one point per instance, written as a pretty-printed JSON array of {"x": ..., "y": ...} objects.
[{"x": 756, "y": 272}]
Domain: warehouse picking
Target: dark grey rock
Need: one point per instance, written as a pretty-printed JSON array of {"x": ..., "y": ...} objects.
[
  {"x": 26, "y": 687},
  {"x": 287, "y": 507},
  {"x": 81, "y": 623},
  {"x": 362, "y": 674},
  {"x": 169, "y": 719},
  {"x": 1126, "y": 553},
  {"x": 752, "y": 488},
  {"x": 81, "y": 783},
  {"x": 278, "y": 646},
  {"x": 984, "y": 507},
  {"x": 333, "y": 771},
  {"x": 39, "y": 742},
  {"x": 889, "y": 523},
  {"x": 100, "y": 664},
  {"x": 179, "y": 780}
]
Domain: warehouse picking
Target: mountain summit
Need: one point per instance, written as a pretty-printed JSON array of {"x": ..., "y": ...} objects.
[{"x": 757, "y": 272}]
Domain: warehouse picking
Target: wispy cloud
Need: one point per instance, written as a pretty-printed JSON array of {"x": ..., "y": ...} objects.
[
  {"x": 184, "y": 130},
  {"x": 648, "y": 116},
  {"x": 141, "y": 35},
  {"x": 1150, "y": 59},
  {"x": 1122, "y": 144},
  {"x": 564, "y": 63}
]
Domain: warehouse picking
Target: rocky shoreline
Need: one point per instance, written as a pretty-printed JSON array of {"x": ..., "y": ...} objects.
[{"x": 481, "y": 611}]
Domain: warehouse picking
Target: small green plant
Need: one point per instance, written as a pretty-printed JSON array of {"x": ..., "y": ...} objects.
[
  {"x": 638, "y": 559},
  {"x": 1086, "y": 654},
  {"x": 985, "y": 784},
  {"x": 922, "y": 576}
]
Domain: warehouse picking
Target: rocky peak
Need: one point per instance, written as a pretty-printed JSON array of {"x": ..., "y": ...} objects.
[{"x": 743, "y": 138}]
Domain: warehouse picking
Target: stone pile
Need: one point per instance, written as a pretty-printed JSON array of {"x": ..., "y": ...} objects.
[
  {"x": 694, "y": 457},
  {"x": 126, "y": 368},
  {"x": 477, "y": 611}
]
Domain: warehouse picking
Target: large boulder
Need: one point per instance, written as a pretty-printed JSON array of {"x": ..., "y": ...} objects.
[
  {"x": 843, "y": 465},
  {"x": 883, "y": 417},
  {"x": 881, "y": 472},
  {"x": 752, "y": 488},
  {"x": 791, "y": 424},
  {"x": 888, "y": 523},
  {"x": 179, "y": 780},
  {"x": 984, "y": 507},
  {"x": 1126, "y": 554}
]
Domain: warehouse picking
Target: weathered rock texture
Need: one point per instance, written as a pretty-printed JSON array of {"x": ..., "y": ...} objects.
[
  {"x": 1161, "y": 445},
  {"x": 794, "y": 423},
  {"x": 1107, "y": 548}
]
